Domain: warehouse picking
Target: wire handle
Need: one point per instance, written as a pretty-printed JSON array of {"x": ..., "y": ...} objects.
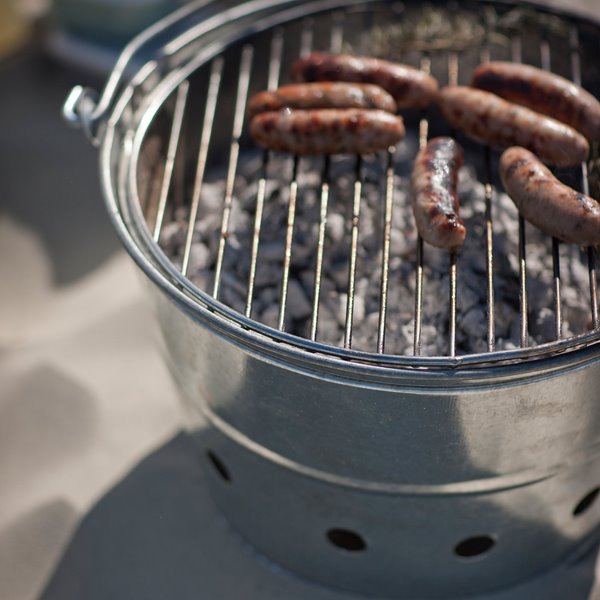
[
  {"x": 78, "y": 110},
  {"x": 87, "y": 109}
]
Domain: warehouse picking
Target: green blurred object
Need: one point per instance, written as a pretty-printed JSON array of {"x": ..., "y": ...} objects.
[{"x": 109, "y": 21}]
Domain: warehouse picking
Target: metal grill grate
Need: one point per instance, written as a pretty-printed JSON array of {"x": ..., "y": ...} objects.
[{"x": 281, "y": 52}]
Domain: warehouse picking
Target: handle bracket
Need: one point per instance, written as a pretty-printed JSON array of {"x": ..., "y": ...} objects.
[{"x": 78, "y": 110}]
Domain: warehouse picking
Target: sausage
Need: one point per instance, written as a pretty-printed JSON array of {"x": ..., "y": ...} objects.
[
  {"x": 543, "y": 92},
  {"x": 547, "y": 203},
  {"x": 410, "y": 87},
  {"x": 489, "y": 119},
  {"x": 434, "y": 194},
  {"x": 322, "y": 95},
  {"x": 327, "y": 130}
]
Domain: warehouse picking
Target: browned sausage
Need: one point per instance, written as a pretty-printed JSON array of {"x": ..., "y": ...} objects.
[
  {"x": 491, "y": 120},
  {"x": 434, "y": 193},
  {"x": 322, "y": 95},
  {"x": 327, "y": 131},
  {"x": 547, "y": 203},
  {"x": 410, "y": 87},
  {"x": 543, "y": 92}
]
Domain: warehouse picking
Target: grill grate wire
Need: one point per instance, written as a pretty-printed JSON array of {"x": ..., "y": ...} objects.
[
  {"x": 209, "y": 117},
  {"x": 274, "y": 73},
  {"x": 546, "y": 66},
  {"x": 489, "y": 232},
  {"x": 585, "y": 186},
  {"x": 238, "y": 124},
  {"x": 425, "y": 65},
  {"x": 182, "y": 93},
  {"x": 516, "y": 52}
]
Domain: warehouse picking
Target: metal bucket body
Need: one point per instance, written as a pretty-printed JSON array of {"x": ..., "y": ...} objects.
[
  {"x": 413, "y": 467},
  {"x": 392, "y": 476}
]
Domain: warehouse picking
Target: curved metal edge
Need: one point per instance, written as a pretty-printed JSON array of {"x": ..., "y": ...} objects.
[
  {"x": 541, "y": 360},
  {"x": 89, "y": 110},
  {"x": 488, "y": 485}
]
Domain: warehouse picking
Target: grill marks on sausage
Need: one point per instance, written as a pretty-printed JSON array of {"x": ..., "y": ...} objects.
[
  {"x": 434, "y": 193},
  {"x": 343, "y": 106},
  {"x": 489, "y": 119},
  {"x": 325, "y": 118},
  {"x": 544, "y": 201},
  {"x": 322, "y": 95},
  {"x": 410, "y": 87},
  {"x": 543, "y": 92},
  {"x": 516, "y": 164},
  {"x": 588, "y": 205},
  {"x": 327, "y": 131}
]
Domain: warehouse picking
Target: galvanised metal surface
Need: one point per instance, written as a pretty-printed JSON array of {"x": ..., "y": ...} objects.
[
  {"x": 411, "y": 465},
  {"x": 395, "y": 476}
]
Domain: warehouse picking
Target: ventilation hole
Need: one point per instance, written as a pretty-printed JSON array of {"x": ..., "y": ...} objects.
[
  {"x": 586, "y": 502},
  {"x": 217, "y": 463},
  {"x": 474, "y": 546},
  {"x": 347, "y": 540}
]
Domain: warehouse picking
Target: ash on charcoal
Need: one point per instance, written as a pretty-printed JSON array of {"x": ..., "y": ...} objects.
[{"x": 471, "y": 333}]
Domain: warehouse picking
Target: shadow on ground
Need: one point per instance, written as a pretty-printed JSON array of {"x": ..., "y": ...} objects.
[
  {"x": 50, "y": 181},
  {"x": 157, "y": 535}
]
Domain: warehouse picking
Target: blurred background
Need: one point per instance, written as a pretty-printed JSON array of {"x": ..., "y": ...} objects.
[{"x": 75, "y": 415}]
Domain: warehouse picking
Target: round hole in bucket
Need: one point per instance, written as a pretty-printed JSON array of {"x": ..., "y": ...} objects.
[
  {"x": 219, "y": 466},
  {"x": 346, "y": 540},
  {"x": 586, "y": 502},
  {"x": 474, "y": 546}
]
